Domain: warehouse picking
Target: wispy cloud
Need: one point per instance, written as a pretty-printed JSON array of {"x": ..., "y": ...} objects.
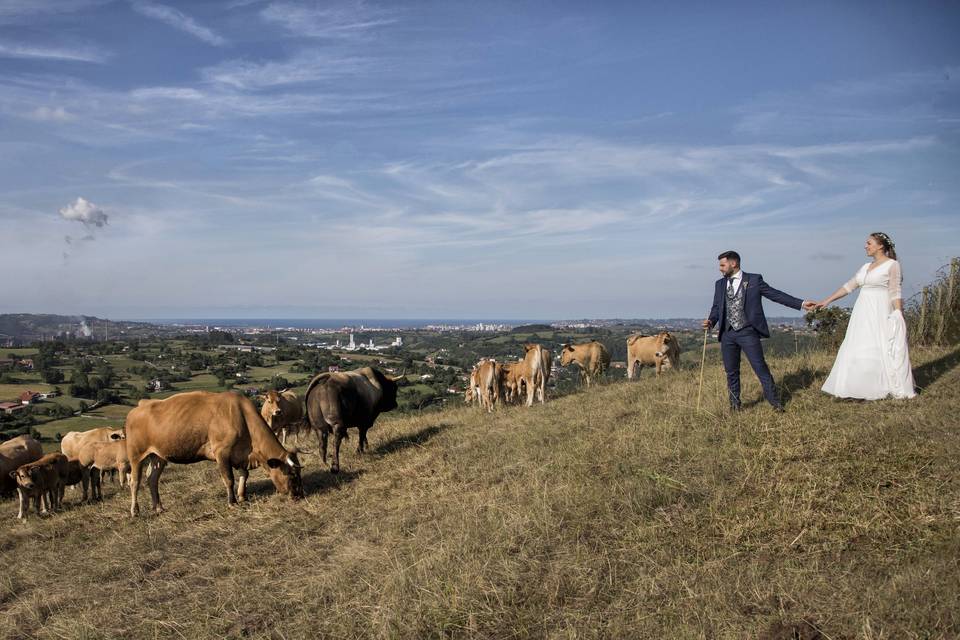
[
  {"x": 51, "y": 114},
  {"x": 78, "y": 54},
  {"x": 351, "y": 20},
  {"x": 17, "y": 11},
  {"x": 304, "y": 68},
  {"x": 178, "y": 20}
]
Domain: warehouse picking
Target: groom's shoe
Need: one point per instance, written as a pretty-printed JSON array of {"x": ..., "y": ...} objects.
[
  {"x": 735, "y": 407},
  {"x": 778, "y": 408}
]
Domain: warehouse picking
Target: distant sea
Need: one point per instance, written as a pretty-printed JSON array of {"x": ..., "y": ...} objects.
[{"x": 333, "y": 323}]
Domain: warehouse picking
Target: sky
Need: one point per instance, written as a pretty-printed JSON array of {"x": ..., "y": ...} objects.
[{"x": 452, "y": 159}]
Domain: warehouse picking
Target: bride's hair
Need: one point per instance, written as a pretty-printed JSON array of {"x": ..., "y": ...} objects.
[{"x": 889, "y": 247}]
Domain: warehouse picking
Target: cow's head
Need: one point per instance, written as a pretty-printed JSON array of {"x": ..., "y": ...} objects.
[
  {"x": 468, "y": 395},
  {"x": 27, "y": 476},
  {"x": 119, "y": 434},
  {"x": 285, "y": 474},
  {"x": 388, "y": 390},
  {"x": 529, "y": 346},
  {"x": 566, "y": 354},
  {"x": 271, "y": 406}
]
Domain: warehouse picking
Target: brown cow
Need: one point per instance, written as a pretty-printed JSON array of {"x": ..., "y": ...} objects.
[
  {"x": 535, "y": 372},
  {"x": 592, "y": 358},
  {"x": 283, "y": 411},
  {"x": 79, "y": 445},
  {"x": 511, "y": 380},
  {"x": 72, "y": 474},
  {"x": 488, "y": 383},
  {"x": 199, "y": 425},
  {"x": 15, "y": 453},
  {"x": 342, "y": 400},
  {"x": 41, "y": 481},
  {"x": 660, "y": 351}
]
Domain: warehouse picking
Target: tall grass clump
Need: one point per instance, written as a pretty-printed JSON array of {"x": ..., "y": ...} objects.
[{"x": 933, "y": 314}]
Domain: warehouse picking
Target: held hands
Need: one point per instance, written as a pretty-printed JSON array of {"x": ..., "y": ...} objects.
[{"x": 813, "y": 305}]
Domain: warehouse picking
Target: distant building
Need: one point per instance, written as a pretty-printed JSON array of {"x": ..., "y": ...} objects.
[
  {"x": 29, "y": 397},
  {"x": 334, "y": 368},
  {"x": 11, "y": 407},
  {"x": 49, "y": 394},
  {"x": 26, "y": 363}
]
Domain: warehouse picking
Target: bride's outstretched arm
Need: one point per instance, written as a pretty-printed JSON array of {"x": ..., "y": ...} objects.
[
  {"x": 845, "y": 290},
  {"x": 836, "y": 295}
]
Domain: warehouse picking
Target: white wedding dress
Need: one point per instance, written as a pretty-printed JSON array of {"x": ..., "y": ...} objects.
[{"x": 873, "y": 362}]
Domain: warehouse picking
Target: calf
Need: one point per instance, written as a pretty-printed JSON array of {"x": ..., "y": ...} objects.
[
  {"x": 109, "y": 458},
  {"x": 40, "y": 481}
]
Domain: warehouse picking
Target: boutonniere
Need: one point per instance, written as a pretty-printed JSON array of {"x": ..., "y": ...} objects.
[{"x": 745, "y": 283}]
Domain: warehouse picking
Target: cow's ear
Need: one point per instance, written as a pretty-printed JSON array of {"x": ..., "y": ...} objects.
[
  {"x": 13, "y": 474},
  {"x": 116, "y": 436},
  {"x": 273, "y": 463}
]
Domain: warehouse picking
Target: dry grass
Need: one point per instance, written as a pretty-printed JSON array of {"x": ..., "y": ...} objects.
[{"x": 611, "y": 513}]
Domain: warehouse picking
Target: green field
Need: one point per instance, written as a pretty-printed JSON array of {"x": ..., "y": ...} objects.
[{"x": 614, "y": 512}]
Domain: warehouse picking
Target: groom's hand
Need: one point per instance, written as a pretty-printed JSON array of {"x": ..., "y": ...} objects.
[{"x": 809, "y": 305}]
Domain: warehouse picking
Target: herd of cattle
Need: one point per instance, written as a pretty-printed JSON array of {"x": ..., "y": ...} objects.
[{"x": 226, "y": 428}]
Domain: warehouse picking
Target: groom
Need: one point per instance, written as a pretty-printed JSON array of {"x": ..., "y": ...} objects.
[{"x": 738, "y": 308}]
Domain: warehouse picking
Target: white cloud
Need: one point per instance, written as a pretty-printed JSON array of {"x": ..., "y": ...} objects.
[
  {"x": 306, "y": 67},
  {"x": 80, "y": 54},
  {"x": 85, "y": 212},
  {"x": 179, "y": 20},
  {"x": 51, "y": 114},
  {"x": 344, "y": 21}
]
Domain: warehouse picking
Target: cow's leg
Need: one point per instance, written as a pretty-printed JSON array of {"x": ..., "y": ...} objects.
[
  {"x": 96, "y": 492},
  {"x": 153, "y": 481},
  {"x": 339, "y": 434},
  {"x": 283, "y": 436},
  {"x": 323, "y": 435},
  {"x": 24, "y": 504},
  {"x": 243, "y": 472},
  {"x": 136, "y": 473},
  {"x": 85, "y": 481},
  {"x": 226, "y": 474},
  {"x": 38, "y": 501},
  {"x": 362, "y": 441}
]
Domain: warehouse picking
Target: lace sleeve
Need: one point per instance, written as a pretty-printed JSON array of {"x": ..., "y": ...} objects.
[
  {"x": 851, "y": 285},
  {"x": 895, "y": 282}
]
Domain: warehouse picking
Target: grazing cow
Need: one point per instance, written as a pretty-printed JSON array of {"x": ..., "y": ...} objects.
[
  {"x": 108, "y": 458},
  {"x": 660, "y": 351},
  {"x": 283, "y": 411},
  {"x": 40, "y": 480},
  {"x": 488, "y": 383},
  {"x": 199, "y": 425},
  {"x": 535, "y": 372},
  {"x": 15, "y": 453},
  {"x": 339, "y": 401},
  {"x": 511, "y": 380},
  {"x": 472, "y": 393},
  {"x": 592, "y": 358},
  {"x": 79, "y": 445}
]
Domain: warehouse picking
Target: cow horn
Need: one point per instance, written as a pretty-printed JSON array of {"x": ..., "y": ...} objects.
[{"x": 401, "y": 376}]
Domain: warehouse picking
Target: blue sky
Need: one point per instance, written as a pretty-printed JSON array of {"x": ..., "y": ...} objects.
[{"x": 452, "y": 159}]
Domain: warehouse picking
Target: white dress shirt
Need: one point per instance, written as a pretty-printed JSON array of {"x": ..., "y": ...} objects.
[{"x": 736, "y": 279}]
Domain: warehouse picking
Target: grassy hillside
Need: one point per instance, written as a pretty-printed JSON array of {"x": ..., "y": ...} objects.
[{"x": 615, "y": 512}]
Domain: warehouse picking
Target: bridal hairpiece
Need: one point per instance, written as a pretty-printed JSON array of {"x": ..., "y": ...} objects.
[{"x": 886, "y": 239}]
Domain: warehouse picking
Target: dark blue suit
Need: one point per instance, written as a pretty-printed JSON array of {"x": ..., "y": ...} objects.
[{"x": 747, "y": 339}]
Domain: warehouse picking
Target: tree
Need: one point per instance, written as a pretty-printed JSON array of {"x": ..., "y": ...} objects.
[{"x": 52, "y": 375}]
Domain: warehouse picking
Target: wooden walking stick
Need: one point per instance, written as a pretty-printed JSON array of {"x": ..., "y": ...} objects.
[{"x": 703, "y": 358}]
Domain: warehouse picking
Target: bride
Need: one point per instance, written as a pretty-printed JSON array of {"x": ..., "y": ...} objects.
[{"x": 873, "y": 362}]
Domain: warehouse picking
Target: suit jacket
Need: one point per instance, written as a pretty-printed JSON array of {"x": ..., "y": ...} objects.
[{"x": 756, "y": 289}]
